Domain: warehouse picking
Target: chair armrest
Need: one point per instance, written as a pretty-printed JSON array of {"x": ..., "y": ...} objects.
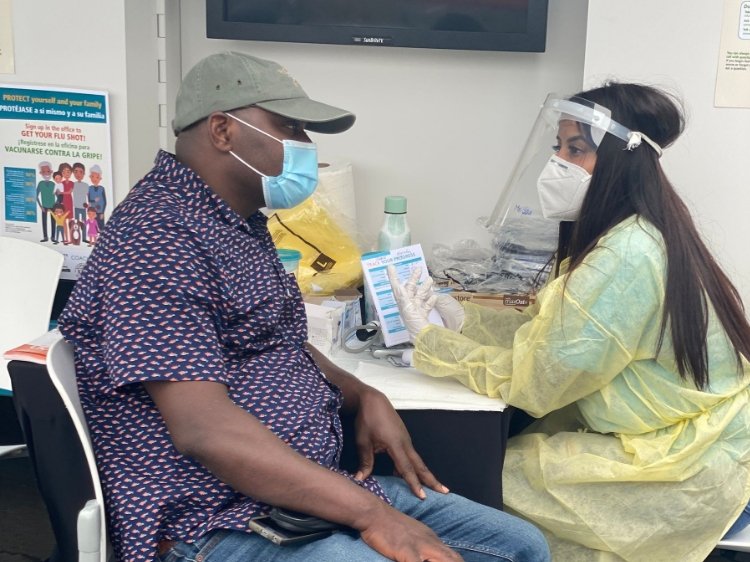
[{"x": 88, "y": 532}]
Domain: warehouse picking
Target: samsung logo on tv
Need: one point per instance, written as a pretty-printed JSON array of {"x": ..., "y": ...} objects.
[{"x": 371, "y": 40}]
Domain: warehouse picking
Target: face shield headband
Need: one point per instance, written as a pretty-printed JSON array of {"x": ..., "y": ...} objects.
[{"x": 598, "y": 118}]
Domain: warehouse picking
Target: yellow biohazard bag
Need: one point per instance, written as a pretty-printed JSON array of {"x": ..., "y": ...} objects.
[{"x": 330, "y": 258}]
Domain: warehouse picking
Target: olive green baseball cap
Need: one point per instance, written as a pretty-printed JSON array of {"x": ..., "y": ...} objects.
[{"x": 231, "y": 80}]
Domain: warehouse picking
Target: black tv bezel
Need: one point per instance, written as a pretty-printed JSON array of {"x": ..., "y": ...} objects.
[{"x": 533, "y": 40}]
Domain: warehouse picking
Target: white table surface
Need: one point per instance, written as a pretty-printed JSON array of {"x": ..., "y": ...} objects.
[{"x": 408, "y": 389}]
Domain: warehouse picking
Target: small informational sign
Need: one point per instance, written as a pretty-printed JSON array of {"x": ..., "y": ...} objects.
[
  {"x": 375, "y": 267},
  {"x": 733, "y": 74},
  {"x": 56, "y": 169}
]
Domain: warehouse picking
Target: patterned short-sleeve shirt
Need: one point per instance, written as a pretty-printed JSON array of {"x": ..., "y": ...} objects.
[{"x": 181, "y": 288}]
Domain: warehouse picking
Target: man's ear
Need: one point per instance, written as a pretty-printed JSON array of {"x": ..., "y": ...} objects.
[{"x": 220, "y": 130}]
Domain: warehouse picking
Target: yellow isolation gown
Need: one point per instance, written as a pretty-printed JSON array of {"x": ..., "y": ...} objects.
[{"x": 629, "y": 461}]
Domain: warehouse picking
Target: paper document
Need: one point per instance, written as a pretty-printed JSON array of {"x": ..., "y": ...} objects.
[
  {"x": 733, "y": 75},
  {"x": 375, "y": 267},
  {"x": 34, "y": 351}
]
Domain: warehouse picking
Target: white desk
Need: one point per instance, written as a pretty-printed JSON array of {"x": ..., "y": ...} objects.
[
  {"x": 459, "y": 434},
  {"x": 408, "y": 389}
]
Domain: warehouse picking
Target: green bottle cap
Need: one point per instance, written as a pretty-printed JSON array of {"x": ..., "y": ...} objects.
[{"x": 395, "y": 204}]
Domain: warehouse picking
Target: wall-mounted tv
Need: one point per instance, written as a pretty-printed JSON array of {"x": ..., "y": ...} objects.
[{"x": 482, "y": 25}]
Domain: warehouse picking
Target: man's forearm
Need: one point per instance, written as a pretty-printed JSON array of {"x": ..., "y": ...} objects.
[
  {"x": 272, "y": 472},
  {"x": 237, "y": 448}
]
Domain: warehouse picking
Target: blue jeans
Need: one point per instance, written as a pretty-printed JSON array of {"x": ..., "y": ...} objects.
[
  {"x": 476, "y": 532},
  {"x": 742, "y": 521}
]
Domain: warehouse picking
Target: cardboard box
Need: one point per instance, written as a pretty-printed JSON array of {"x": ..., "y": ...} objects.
[
  {"x": 493, "y": 300},
  {"x": 498, "y": 301}
]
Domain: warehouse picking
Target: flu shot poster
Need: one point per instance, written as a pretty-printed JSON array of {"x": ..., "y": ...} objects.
[{"x": 56, "y": 169}]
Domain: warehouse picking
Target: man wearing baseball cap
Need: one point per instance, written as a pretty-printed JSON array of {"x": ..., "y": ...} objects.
[{"x": 205, "y": 404}]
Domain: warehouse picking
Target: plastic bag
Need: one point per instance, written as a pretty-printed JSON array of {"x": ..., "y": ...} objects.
[
  {"x": 518, "y": 262},
  {"x": 330, "y": 258}
]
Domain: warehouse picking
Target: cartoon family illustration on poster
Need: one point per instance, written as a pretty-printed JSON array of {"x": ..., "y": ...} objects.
[
  {"x": 56, "y": 169},
  {"x": 73, "y": 209}
]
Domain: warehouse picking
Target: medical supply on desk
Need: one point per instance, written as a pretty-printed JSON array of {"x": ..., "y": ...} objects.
[
  {"x": 374, "y": 266},
  {"x": 290, "y": 260},
  {"x": 369, "y": 338},
  {"x": 330, "y": 318},
  {"x": 517, "y": 262}
]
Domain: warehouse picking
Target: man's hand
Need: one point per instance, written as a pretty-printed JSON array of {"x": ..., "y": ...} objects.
[
  {"x": 380, "y": 429},
  {"x": 404, "y": 539}
]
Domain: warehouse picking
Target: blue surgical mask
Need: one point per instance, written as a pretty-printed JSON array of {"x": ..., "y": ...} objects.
[{"x": 298, "y": 177}]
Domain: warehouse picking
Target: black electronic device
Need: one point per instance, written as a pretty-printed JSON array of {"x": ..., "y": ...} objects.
[
  {"x": 301, "y": 522},
  {"x": 482, "y": 25},
  {"x": 271, "y": 530}
]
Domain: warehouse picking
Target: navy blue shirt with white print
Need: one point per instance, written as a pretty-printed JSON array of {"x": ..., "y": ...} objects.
[{"x": 180, "y": 287}]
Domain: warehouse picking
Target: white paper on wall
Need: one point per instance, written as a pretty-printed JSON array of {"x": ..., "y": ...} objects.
[{"x": 733, "y": 73}]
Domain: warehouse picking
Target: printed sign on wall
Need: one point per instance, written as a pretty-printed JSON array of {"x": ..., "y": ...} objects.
[
  {"x": 56, "y": 168},
  {"x": 733, "y": 74}
]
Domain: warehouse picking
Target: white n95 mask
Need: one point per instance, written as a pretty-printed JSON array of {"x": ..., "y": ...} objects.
[{"x": 562, "y": 186}]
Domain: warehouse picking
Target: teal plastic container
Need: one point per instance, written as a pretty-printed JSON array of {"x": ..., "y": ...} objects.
[{"x": 290, "y": 259}]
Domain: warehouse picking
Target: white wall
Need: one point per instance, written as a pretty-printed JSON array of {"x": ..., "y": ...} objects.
[
  {"x": 675, "y": 44},
  {"x": 441, "y": 127},
  {"x": 102, "y": 46}
]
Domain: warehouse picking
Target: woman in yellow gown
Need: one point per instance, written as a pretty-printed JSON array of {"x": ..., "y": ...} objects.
[{"x": 634, "y": 356}]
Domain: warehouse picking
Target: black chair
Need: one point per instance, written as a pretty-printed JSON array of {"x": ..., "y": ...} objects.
[{"x": 56, "y": 453}]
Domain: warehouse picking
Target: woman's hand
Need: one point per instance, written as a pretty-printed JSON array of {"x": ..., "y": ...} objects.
[
  {"x": 414, "y": 302},
  {"x": 451, "y": 311}
]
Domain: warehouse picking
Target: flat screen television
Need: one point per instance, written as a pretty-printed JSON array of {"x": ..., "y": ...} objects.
[{"x": 482, "y": 25}]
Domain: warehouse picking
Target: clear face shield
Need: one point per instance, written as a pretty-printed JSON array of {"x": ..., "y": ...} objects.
[
  {"x": 547, "y": 185},
  {"x": 570, "y": 129}
]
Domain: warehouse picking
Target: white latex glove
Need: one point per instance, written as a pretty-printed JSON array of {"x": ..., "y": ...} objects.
[
  {"x": 450, "y": 311},
  {"x": 414, "y": 302},
  {"x": 407, "y": 357}
]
